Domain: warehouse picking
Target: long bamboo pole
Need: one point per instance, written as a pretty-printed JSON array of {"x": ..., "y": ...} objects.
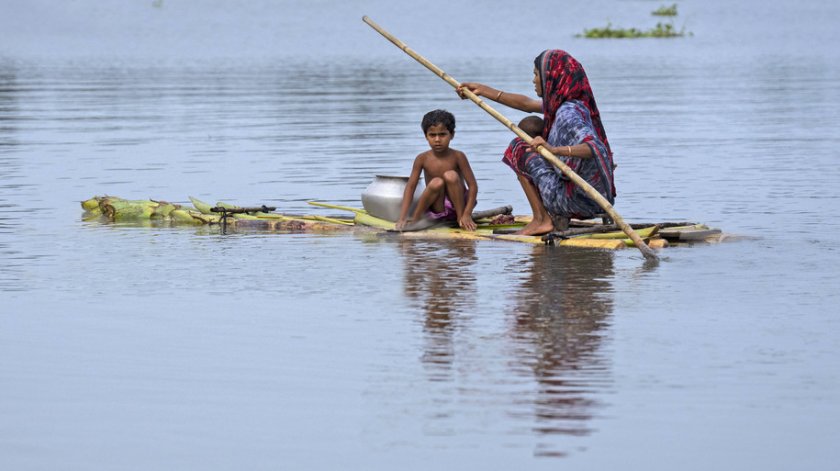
[{"x": 574, "y": 177}]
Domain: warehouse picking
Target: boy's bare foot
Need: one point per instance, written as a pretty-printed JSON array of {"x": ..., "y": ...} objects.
[{"x": 419, "y": 225}]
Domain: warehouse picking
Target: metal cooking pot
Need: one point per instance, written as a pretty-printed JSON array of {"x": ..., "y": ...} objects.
[{"x": 383, "y": 197}]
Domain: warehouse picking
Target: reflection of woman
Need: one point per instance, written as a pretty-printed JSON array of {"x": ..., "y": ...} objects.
[
  {"x": 562, "y": 312},
  {"x": 572, "y": 131}
]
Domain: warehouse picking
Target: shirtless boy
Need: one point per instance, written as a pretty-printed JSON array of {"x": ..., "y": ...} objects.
[{"x": 451, "y": 188}]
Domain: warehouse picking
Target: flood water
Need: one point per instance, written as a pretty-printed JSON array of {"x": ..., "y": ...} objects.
[{"x": 128, "y": 347}]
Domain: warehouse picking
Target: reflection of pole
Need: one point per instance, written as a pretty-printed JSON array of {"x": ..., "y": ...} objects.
[{"x": 574, "y": 177}]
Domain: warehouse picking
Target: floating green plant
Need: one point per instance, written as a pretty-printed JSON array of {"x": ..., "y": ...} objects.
[
  {"x": 665, "y": 11},
  {"x": 661, "y": 30},
  {"x": 610, "y": 32},
  {"x": 666, "y": 30}
]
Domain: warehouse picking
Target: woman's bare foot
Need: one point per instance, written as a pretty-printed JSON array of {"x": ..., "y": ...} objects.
[{"x": 537, "y": 226}]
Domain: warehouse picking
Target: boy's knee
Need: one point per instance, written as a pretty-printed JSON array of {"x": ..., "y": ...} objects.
[
  {"x": 435, "y": 184},
  {"x": 451, "y": 176}
]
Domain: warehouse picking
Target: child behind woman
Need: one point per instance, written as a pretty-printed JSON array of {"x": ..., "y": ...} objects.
[{"x": 532, "y": 125}]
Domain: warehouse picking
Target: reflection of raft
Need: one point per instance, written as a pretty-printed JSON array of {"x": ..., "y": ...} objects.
[{"x": 490, "y": 226}]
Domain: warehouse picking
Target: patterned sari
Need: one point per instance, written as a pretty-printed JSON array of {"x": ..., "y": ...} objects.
[{"x": 571, "y": 117}]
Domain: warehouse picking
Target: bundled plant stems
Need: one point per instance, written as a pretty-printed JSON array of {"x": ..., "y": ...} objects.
[{"x": 115, "y": 209}]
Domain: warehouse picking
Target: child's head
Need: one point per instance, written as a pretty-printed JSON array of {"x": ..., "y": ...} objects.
[
  {"x": 532, "y": 125},
  {"x": 442, "y": 117}
]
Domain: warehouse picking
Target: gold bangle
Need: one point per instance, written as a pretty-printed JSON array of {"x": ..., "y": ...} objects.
[
  {"x": 499, "y": 95},
  {"x": 570, "y": 150}
]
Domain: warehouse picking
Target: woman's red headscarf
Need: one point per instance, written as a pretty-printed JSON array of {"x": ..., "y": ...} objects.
[{"x": 563, "y": 78}]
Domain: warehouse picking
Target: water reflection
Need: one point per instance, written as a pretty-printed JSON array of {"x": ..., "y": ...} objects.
[
  {"x": 8, "y": 103},
  {"x": 440, "y": 278},
  {"x": 11, "y": 268},
  {"x": 562, "y": 309}
]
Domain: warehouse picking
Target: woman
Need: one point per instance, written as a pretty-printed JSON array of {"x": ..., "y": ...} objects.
[{"x": 572, "y": 131}]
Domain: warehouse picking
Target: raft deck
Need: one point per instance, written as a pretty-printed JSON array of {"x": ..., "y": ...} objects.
[{"x": 496, "y": 224}]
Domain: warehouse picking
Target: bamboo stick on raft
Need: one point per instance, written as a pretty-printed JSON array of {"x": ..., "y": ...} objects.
[
  {"x": 435, "y": 234},
  {"x": 343, "y": 222},
  {"x": 612, "y": 244},
  {"x": 337, "y": 206},
  {"x": 297, "y": 225},
  {"x": 586, "y": 224},
  {"x": 368, "y": 220},
  {"x": 489, "y": 213},
  {"x": 646, "y": 233}
]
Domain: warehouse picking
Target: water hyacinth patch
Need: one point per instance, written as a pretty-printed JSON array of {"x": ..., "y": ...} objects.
[
  {"x": 661, "y": 30},
  {"x": 665, "y": 11}
]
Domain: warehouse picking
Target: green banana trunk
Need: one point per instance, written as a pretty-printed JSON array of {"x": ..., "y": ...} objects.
[
  {"x": 117, "y": 209},
  {"x": 183, "y": 216},
  {"x": 201, "y": 206}
]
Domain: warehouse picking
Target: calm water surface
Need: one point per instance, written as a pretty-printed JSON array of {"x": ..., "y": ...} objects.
[{"x": 127, "y": 347}]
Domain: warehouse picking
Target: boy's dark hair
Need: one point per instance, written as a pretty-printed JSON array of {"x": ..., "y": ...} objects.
[
  {"x": 532, "y": 125},
  {"x": 438, "y": 117}
]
